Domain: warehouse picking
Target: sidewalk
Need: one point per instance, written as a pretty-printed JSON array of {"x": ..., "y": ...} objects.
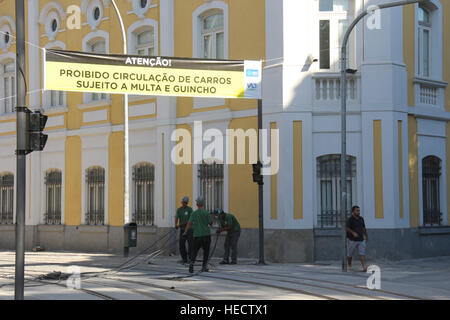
[{"x": 164, "y": 278}]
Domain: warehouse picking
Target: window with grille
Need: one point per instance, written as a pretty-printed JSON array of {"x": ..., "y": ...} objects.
[
  {"x": 143, "y": 178},
  {"x": 6, "y": 198},
  {"x": 431, "y": 173},
  {"x": 212, "y": 36},
  {"x": 9, "y": 87},
  {"x": 98, "y": 46},
  {"x": 95, "y": 194},
  {"x": 329, "y": 189},
  {"x": 53, "y": 181},
  {"x": 211, "y": 185}
]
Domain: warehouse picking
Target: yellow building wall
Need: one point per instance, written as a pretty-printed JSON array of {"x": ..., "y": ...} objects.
[
  {"x": 184, "y": 182},
  {"x": 409, "y": 48},
  {"x": 242, "y": 191},
  {"x": 378, "y": 169},
  {"x": 73, "y": 176},
  {"x": 413, "y": 164},
  {"x": 298, "y": 169},
  {"x": 115, "y": 174}
]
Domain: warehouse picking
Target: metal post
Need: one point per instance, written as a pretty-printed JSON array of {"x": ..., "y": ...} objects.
[
  {"x": 260, "y": 193},
  {"x": 344, "y": 116},
  {"x": 21, "y": 153},
  {"x": 126, "y": 183}
]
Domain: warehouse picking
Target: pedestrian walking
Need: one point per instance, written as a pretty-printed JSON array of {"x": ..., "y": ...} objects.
[
  {"x": 200, "y": 221},
  {"x": 356, "y": 230},
  {"x": 181, "y": 219},
  {"x": 230, "y": 224}
]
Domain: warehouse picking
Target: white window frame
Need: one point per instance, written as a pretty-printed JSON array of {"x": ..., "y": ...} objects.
[
  {"x": 11, "y": 84},
  {"x": 335, "y": 44},
  {"x": 47, "y": 94},
  {"x": 197, "y": 18},
  {"x": 88, "y": 40}
]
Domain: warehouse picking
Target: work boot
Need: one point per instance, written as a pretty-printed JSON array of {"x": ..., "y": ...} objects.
[
  {"x": 191, "y": 268},
  {"x": 223, "y": 262},
  {"x": 233, "y": 262},
  {"x": 205, "y": 269}
]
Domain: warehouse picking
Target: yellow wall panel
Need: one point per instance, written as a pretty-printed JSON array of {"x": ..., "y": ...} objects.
[
  {"x": 115, "y": 177},
  {"x": 242, "y": 191},
  {"x": 378, "y": 169},
  {"x": 184, "y": 176},
  {"x": 73, "y": 176},
  {"x": 400, "y": 169},
  {"x": 298, "y": 169},
  {"x": 413, "y": 164}
]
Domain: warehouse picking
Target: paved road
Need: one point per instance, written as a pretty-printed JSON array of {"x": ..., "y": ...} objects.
[{"x": 110, "y": 277}]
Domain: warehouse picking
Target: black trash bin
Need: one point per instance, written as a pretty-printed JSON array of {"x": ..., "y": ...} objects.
[{"x": 130, "y": 235}]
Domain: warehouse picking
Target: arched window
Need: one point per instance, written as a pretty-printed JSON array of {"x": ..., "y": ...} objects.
[
  {"x": 211, "y": 176},
  {"x": 97, "y": 46},
  {"x": 212, "y": 35},
  {"x": 6, "y": 198},
  {"x": 95, "y": 196},
  {"x": 143, "y": 179},
  {"x": 145, "y": 43},
  {"x": 329, "y": 188},
  {"x": 424, "y": 38},
  {"x": 8, "y": 84},
  {"x": 53, "y": 181},
  {"x": 431, "y": 174}
]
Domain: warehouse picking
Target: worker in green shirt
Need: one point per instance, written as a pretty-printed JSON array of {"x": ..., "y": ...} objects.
[
  {"x": 200, "y": 221},
  {"x": 181, "y": 219},
  {"x": 229, "y": 223}
]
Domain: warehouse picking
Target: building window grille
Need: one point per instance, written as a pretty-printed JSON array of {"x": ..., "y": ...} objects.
[
  {"x": 329, "y": 189},
  {"x": 143, "y": 178},
  {"x": 95, "y": 187},
  {"x": 6, "y": 198},
  {"x": 211, "y": 185},
  {"x": 53, "y": 182},
  {"x": 431, "y": 173}
]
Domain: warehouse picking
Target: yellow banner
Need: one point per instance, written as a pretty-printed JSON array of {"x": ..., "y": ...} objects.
[{"x": 68, "y": 71}]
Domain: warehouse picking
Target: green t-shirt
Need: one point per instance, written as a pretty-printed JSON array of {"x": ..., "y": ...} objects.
[
  {"x": 230, "y": 220},
  {"x": 200, "y": 220},
  {"x": 183, "y": 215}
]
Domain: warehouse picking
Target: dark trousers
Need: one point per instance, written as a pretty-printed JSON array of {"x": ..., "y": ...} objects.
[
  {"x": 189, "y": 239},
  {"x": 231, "y": 242},
  {"x": 203, "y": 243}
]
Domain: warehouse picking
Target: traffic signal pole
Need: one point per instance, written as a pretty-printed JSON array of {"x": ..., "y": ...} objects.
[
  {"x": 260, "y": 192},
  {"x": 21, "y": 150}
]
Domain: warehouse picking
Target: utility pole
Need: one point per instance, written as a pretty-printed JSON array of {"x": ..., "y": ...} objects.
[
  {"x": 21, "y": 151},
  {"x": 126, "y": 182},
  {"x": 344, "y": 116},
  {"x": 258, "y": 178}
]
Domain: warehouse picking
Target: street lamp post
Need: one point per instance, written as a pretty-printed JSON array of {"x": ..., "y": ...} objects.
[
  {"x": 344, "y": 114},
  {"x": 126, "y": 183}
]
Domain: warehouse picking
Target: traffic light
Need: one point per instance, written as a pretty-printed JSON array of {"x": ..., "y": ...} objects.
[
  {"x": 257, "y": 177},
  {"x": 36, "y": 140}
]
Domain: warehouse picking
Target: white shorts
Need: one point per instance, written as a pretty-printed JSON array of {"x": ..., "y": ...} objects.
[{"x": 352, "y": 246}]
